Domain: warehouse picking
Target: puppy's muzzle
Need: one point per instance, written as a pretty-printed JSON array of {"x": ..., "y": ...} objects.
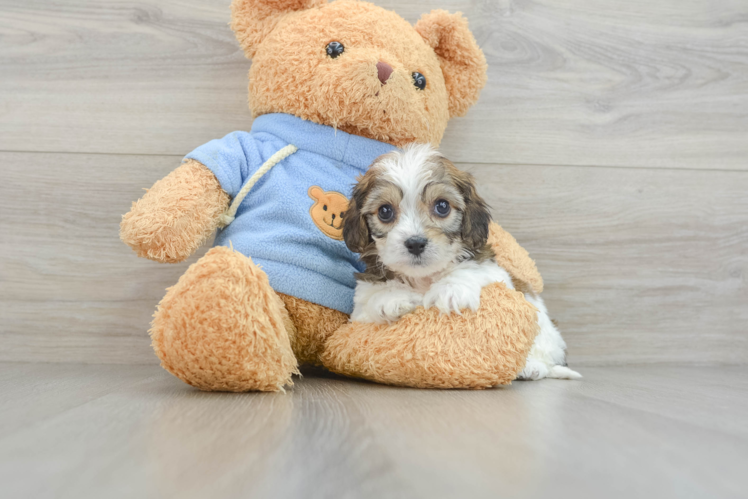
[{"x": 416, "y": 245}]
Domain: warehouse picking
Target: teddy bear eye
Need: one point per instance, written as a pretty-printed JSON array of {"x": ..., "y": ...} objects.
[
  {"x": 419, "y": 80},
  {"x": 334, "y": 49},
  {"x": 324, "y": 207}
]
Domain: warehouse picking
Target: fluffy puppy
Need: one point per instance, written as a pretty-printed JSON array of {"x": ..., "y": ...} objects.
[{"x": 422, "y": 229}]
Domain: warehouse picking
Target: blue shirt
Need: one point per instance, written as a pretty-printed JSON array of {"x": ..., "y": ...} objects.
[{"x": 289, "y": 223}]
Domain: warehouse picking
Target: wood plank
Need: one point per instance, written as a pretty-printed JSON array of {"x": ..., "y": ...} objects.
[
  {"x": 641, "y": 265},
  {"x": 636, "y": 431},
  {"x": 72, "y": 291},
  {"x": 34, "y": 392},
  {"x": 634, "y": 83},
  {"x": 644, "y": 265}
]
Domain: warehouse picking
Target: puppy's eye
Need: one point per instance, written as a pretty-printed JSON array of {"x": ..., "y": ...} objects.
[
  {"x": 442, "y": 208},
  {"x": 386, "y": 213},
  {"x": 334, "y": 49},
  {"x": 419, "y": 80}
]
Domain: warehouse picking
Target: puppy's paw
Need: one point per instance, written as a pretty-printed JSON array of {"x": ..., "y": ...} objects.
[
  {"x": 533, "y": 370},
  {"x": 536, "y": 370},
  {"x": 398, "y": 305},
  {"x": 387, "y": 306},
  {"x": 450, "y": 297}
]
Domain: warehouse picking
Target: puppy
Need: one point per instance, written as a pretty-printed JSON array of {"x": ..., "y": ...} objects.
[{"x": 422, "y": 229}]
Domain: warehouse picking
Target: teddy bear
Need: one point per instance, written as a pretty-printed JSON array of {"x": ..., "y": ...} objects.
[{"x": 332, "y": 86}]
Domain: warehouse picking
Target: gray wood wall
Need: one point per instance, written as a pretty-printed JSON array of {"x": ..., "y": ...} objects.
[{"x": 611, "y": 140}]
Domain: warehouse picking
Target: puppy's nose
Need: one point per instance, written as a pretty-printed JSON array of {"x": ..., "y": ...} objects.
[
  {"x": 416, "y": 245},
  {"x": 384, "y": 71}
]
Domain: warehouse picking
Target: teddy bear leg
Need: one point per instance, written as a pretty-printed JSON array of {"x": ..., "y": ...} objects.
[
  {"x": 313, "y": 324},
  {"x": 426, "y": 348},
  {"x": 223, "y": 328}
]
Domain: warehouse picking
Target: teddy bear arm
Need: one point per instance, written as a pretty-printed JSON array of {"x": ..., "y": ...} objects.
[
  {"x": 472, "y": 350},
  {"x": 177, "y": 215},
  {"x": 515, "y": 259}
]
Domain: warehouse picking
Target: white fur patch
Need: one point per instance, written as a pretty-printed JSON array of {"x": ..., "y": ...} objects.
[
  {"x": 460, "y": 288},
  {"x": 383, "y": 302},
  {"x": 547, "y": 358}
]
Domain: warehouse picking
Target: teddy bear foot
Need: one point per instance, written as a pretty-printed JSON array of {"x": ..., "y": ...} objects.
[
  {"x": 474, "y": 350},
  {"x": 223, "y": 328}
]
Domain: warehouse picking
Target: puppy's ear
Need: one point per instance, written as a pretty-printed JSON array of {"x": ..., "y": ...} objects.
[
  {"x": 462, "y": 61},
  {"x": 475, "y": 217},
  {"x": 355, "y": 229},
  {"x": 253, "y": 20}
]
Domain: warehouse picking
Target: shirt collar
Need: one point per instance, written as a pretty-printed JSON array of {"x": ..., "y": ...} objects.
[{"x": 324, "y": 140}]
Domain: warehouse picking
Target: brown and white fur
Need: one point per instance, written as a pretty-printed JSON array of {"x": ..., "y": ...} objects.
[{"x": 422, "y": 229}]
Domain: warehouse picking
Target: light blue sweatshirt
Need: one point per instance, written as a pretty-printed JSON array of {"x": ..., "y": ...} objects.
[{"x": 276, "y": 224}]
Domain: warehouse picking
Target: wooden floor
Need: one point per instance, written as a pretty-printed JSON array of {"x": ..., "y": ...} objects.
[{"x": 71, "y": 430}]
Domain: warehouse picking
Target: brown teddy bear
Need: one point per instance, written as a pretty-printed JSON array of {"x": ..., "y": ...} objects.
[{"x": 332, "y": 86}]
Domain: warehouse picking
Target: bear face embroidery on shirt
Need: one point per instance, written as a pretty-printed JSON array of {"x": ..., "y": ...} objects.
[{"x": 328, "y": 211}]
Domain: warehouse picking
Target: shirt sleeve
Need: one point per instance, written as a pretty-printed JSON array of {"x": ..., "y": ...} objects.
[{"x": 232, "y": 159}]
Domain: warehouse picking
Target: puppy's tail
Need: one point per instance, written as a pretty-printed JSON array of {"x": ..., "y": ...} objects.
[{"x": 558, "y": 371}]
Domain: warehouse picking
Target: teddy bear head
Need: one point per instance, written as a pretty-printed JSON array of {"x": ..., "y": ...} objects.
[{"x": 359, "y": 68}]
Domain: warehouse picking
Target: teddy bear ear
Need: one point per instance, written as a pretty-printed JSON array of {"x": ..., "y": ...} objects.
[
  {"x": 315, "y": 193},
  {"x": 253, "y": 20},
  {"x": 462, "y": 61}
]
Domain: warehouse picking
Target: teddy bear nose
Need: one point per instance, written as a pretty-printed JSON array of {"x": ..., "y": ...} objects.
[{"x": 384, "y": 71}]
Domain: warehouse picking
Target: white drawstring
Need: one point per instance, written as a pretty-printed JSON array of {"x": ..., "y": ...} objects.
[{"x": 230, "y": 214}]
